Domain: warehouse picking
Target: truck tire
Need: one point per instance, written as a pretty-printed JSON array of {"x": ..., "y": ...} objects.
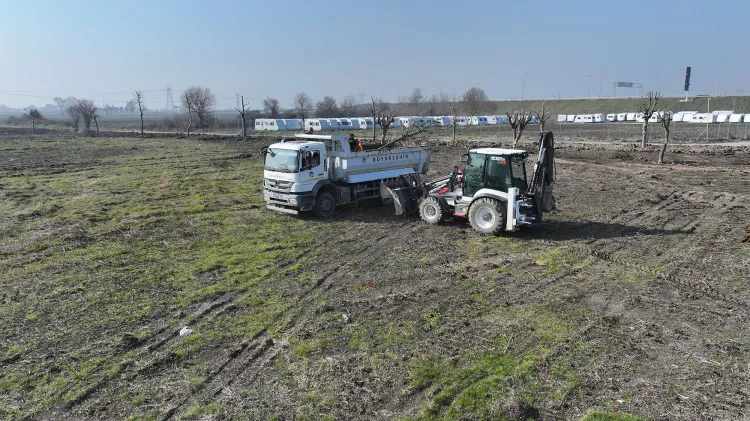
[
  {"x": 431, "y": 211},
  {"x": 325, "y": 204},
  {"x": 487, "y": 216}
]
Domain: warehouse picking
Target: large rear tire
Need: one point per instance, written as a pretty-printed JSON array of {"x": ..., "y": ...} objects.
[
  {"x": 325, "y": 204},
  {"x": 431, "y": 211},
  {"x": 487, "y": 216}
]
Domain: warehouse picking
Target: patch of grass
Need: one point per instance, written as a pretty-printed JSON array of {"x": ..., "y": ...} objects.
[
  {"x": 200, "y": 411},
  {"x": 606, "y": 416},
  {"x": 471, "y": 385}
]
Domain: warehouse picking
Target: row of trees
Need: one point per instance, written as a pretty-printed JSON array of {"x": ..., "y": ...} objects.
[{"x": 473, "y": 102}]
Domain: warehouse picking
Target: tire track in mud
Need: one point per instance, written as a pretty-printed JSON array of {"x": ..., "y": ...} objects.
[{"x": 260, "y": 350}]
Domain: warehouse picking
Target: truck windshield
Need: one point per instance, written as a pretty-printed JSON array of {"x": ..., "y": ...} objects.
[{"x": 281, "y": 160}]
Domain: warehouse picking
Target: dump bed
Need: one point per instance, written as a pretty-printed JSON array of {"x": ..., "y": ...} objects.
[{"x": 349, "y": 166}]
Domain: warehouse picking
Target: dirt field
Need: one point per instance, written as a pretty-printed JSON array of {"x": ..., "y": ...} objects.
[{"x": 632, "y": 298}]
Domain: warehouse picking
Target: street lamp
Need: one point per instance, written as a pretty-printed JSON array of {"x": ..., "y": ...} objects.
[{"x": 588, "y": 81}]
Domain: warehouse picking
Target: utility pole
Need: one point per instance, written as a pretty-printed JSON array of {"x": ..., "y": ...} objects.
[{"x": 588, "y": 81}]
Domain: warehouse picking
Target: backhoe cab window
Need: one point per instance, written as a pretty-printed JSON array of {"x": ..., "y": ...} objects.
[
  {"x": 518, "y": 172},
  {"x": 498, "y": 173},
  {"x": 473, "y": 176}
]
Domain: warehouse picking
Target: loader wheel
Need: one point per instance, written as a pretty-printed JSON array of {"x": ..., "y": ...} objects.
[
  {"x": 487, "y": 216},
  {"x": 324, "y": 205},
  {"x": 431, "y": 211}
]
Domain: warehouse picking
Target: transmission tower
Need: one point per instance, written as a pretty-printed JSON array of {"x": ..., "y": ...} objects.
[{"x": 170, "y": 102}]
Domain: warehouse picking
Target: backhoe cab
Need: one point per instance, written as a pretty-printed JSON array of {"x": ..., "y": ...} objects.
[{"x": 491, "y": 189}]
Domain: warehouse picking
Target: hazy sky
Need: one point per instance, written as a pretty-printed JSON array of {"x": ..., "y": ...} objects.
[{"x": 105, "y": 49}]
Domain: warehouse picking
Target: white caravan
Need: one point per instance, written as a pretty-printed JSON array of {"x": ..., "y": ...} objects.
[
  {"x": 562, "y": 118},
  {"x": 442, "y": 121},
  {"x": 317, "y": 124},
  {"x": 269, "y": 124},
  {"x": 599, "y": 118},
  {"x": 722, "y": 116},
  {"x": 293, "y": 123},
  {"x": 584, "y": 118},
  {"x": 479, "y": 121},
  {"x": 463, "y": 121},
  {"x": 611, "y": 117},
  {"x": 571, "y": 118},
  {"x": 703, "y": 118},
  {"x": 630, "y": 116},
  {"x": 622, "y": 116},
  {"x": 736, "y": 118},
  {"x": 501, "y": 119},
  {"x": 688, "y": 116},
  {"x": 364, "y": 123}
]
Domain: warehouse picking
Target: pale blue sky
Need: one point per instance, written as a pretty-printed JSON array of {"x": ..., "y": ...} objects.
[{"x": 105, "y": 49}]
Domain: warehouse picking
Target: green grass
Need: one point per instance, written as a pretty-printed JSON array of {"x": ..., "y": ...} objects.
[
  {"x": 126, "y": 234},
  {"x": 606, "y": 416}
]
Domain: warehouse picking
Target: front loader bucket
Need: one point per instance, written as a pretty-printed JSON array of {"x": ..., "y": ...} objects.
[
  {"x": 404, "y": 201},
  {"x": 406, "y": 196}
]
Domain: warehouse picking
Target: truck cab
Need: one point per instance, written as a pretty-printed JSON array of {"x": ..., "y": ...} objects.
[{"x": 292, "y": 173}]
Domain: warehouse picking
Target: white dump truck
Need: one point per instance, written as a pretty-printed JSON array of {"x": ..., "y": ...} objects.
[{"x": 317, "y": 173}]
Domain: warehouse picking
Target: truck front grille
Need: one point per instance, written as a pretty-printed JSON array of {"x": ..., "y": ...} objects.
[{"x": 278, "y": 185}]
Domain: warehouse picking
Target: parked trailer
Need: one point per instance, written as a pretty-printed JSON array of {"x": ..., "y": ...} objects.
[
  {"x": 463, "y": 121},
  {"x": 269, "y": 124},
  {"x": 317, "y": 124},
  {"x": 571, "y": 118},
  {"x": 293, "y": 123},
  {"x": 599, "y": 118},
  {"x": 443, "y": 121},
  {"x": 723, "y": 117},
  {"x": 501, "y": 119},
  {"x": 479, "y": 120},
  {"x": 562, "y": 118},
  {"x": 736, "y": 118},
  {"x": 611, "y": 117},
  {"x": 622, "y": 116},
  {"x": 688, "y": 116},
  {"x": 364, "y": 123},
  {"x": 317, "y": 173},
  {"x": 584, "y": 118}
]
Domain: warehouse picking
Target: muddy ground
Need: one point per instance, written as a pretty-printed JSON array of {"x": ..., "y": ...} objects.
[{"x": 631, "y": 297}]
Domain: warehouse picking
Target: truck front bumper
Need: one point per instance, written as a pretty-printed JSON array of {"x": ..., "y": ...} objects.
[{"x": 288, "y": 202}]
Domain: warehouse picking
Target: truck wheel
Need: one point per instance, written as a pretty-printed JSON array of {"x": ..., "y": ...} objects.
[
  {"x": 431, "y": 211},
  {"x": 487, "y": 216},
  {"x": 325, "y": 203}
]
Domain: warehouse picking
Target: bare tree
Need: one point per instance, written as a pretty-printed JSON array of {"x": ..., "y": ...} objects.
[
  {"x": 34, "y": 115},
  {"x": 407, "y": 133},
  {"x": 349, "y": 106},
  {"x": 414, "y": 101},
  {"x": 61, "y": 103},
  {"x": 542, "y": 118},
  {"x": 138, "y": 99},
  {"x": 518, "y": 121},
  {"x": 271, "y": 105},
  {"x": 130, "y": 106},
  {"x": 454, "y": 121},
  {"x": 666, "y": 121},
  {"x": 74, "y": 113},
  {"x": 327, "y": 107},
  {"x": 375, "y": 107},
  {"x": 647, "y": 107},
  {"x": 243, "y": 115},
  {"x": 96, "y": 121},
  {"x": 474, "y": 100},
  {"x": 87, "y": 109},
  {"x": 187, "y": 105},
  {"x": 444, "y": 102},
  {"x": 303, "y": 105},
  {"x": 202, "y": 101},
  {"x": 384, "y": 119}
]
